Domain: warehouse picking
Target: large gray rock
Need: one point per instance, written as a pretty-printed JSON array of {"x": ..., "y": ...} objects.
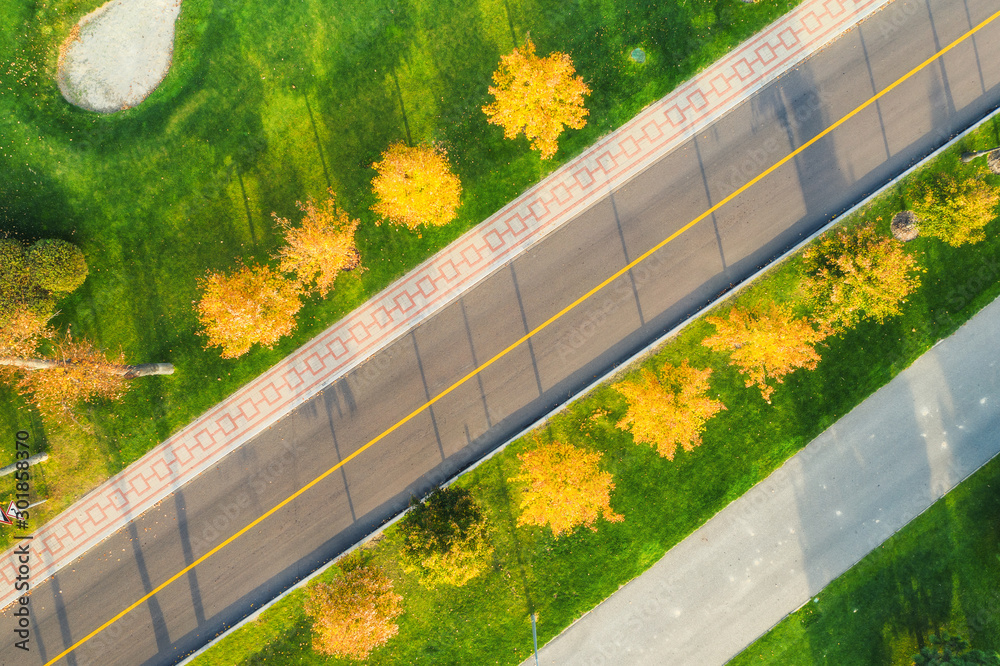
[{"x": 117, "y": 54}]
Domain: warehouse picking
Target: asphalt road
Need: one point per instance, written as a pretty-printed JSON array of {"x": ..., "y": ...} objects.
[
  {"x": 773, "y": 549},
  {"x": 827, "y": 178}
]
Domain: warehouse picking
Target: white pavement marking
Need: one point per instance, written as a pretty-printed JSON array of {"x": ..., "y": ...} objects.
[
  {"x": 470, "y": 259},
  {"x": 770, "y": 551}
]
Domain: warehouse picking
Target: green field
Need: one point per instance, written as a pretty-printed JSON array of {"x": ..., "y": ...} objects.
[
  {"x": 940, "y": 572},
  {"x": 662, "y": 502},
  {"x": 266, "y": 104}
]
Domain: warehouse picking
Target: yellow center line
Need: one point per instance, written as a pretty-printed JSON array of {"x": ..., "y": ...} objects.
[{"x": 525, "y": 337}]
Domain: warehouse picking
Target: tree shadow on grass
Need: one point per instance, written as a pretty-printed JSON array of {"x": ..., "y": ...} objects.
[
  {"x": 977, "y": 563},
  {"x": 298, "y": 634},
  {"x": 895, "y": 595},
  {"x": 33, "y": 205},
  {"x": 514, "y": 561},
  {"x": 358, "y": 96}
]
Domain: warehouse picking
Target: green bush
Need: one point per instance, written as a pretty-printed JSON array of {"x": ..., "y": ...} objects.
[
  {"x": 29, "y": 277},
  {"x": 56, "y": 265},
  {"x": 14, "y": 277},
  {"x": 16, "y": 288},
  {"x": 445, "y": 539}
]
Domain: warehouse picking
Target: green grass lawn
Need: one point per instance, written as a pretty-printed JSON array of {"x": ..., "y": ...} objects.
[
  {"x": 940, "y": 572},
  {"x": 662, "y": 501},
  {"x": 268, "y": 103}
]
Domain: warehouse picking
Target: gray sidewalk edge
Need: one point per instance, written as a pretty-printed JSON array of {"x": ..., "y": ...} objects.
[
  {"x": 614, "y": 372},
  {"x": 858, "y": 561}
]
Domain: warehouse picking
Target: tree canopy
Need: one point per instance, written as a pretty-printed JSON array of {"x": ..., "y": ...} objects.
[
  {"x": 73, "y": 371},
  {"x": 668, "y": 410},
  {"x": 56, "y": 265},
  {"x": 857, "y": 273},
  {"x": 955, "y": 211},
  {"x": 32, "y": 277},
  {"x": 446, "y": 538},
  {"x": 766, "y": 343},
  {"x": 321, "y": 247},
  {"x": 54, "y": 370},
  {"x": 537, "y": 96},
  {"x": 250, "y": 306},
  {"x": 948, "y": 650},
  {"x": 354, "y": 614},
  {"x": 564, "y": 488},
  {"x": 416, "y": 186}
]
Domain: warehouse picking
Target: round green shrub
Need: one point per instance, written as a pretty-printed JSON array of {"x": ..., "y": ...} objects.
[
  {"x": 56, "y": 265},
  {"x": 15, "y": 281},
  {"x": 13, "y": 265}
]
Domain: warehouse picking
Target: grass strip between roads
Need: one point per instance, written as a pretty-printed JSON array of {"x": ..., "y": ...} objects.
[{"x": 520, "y": 341}]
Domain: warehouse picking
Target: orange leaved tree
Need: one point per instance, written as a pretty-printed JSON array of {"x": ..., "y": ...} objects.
[
  {"x": 21, "y": 330},
  {"x": 70, "y": 371},
  {"x": 321, "y": 247},
  {"x": 670, "y": 410},
  {"x": 415, "y": 185},
  {"x": 250, "y": 306},
  {"x": 858, "y": 273},
  {"x": 537, "y": 96},
  {"x": 354, "y": 614},
  {"x": 56, "y": 372},
  {"x": 955, "y": 211},
  {"x": 565, "y": 488},
  {"x": 766, "y": 344}
]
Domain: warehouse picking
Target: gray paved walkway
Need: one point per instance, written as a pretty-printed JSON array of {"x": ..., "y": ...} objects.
[{"x": 771, "y": 550}]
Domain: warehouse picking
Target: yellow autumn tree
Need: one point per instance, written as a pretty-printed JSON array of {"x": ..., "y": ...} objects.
[
  {"x": 68, "y": 371},
  {"x": 74, "y": 371},
  {"x": 668, "y": 410},
  {"x": 55, "y": 371},
  {"x": 354, "y": 614},
  {"x": 537, "y": 96},
  {"x": 321, "y": 247},
  {"x": 858, "y": 273},
  {"x": 415, "y": 186},
  {"x": 955, "y": 211},
  {"x": 766, "y": 344},
  {"x": 250, "y": 306},
  {"x": 564, "y": 488},
  {"x": 21, "y": 331}
]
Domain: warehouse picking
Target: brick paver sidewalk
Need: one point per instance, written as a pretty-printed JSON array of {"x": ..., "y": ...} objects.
[{"x": 521, "y": 224}]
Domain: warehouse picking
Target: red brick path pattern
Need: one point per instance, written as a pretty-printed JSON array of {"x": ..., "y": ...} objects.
[{"x": 524, "y": 222}]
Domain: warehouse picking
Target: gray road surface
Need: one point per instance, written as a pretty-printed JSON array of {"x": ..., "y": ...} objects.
[{"x": 826, "y": 179}]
